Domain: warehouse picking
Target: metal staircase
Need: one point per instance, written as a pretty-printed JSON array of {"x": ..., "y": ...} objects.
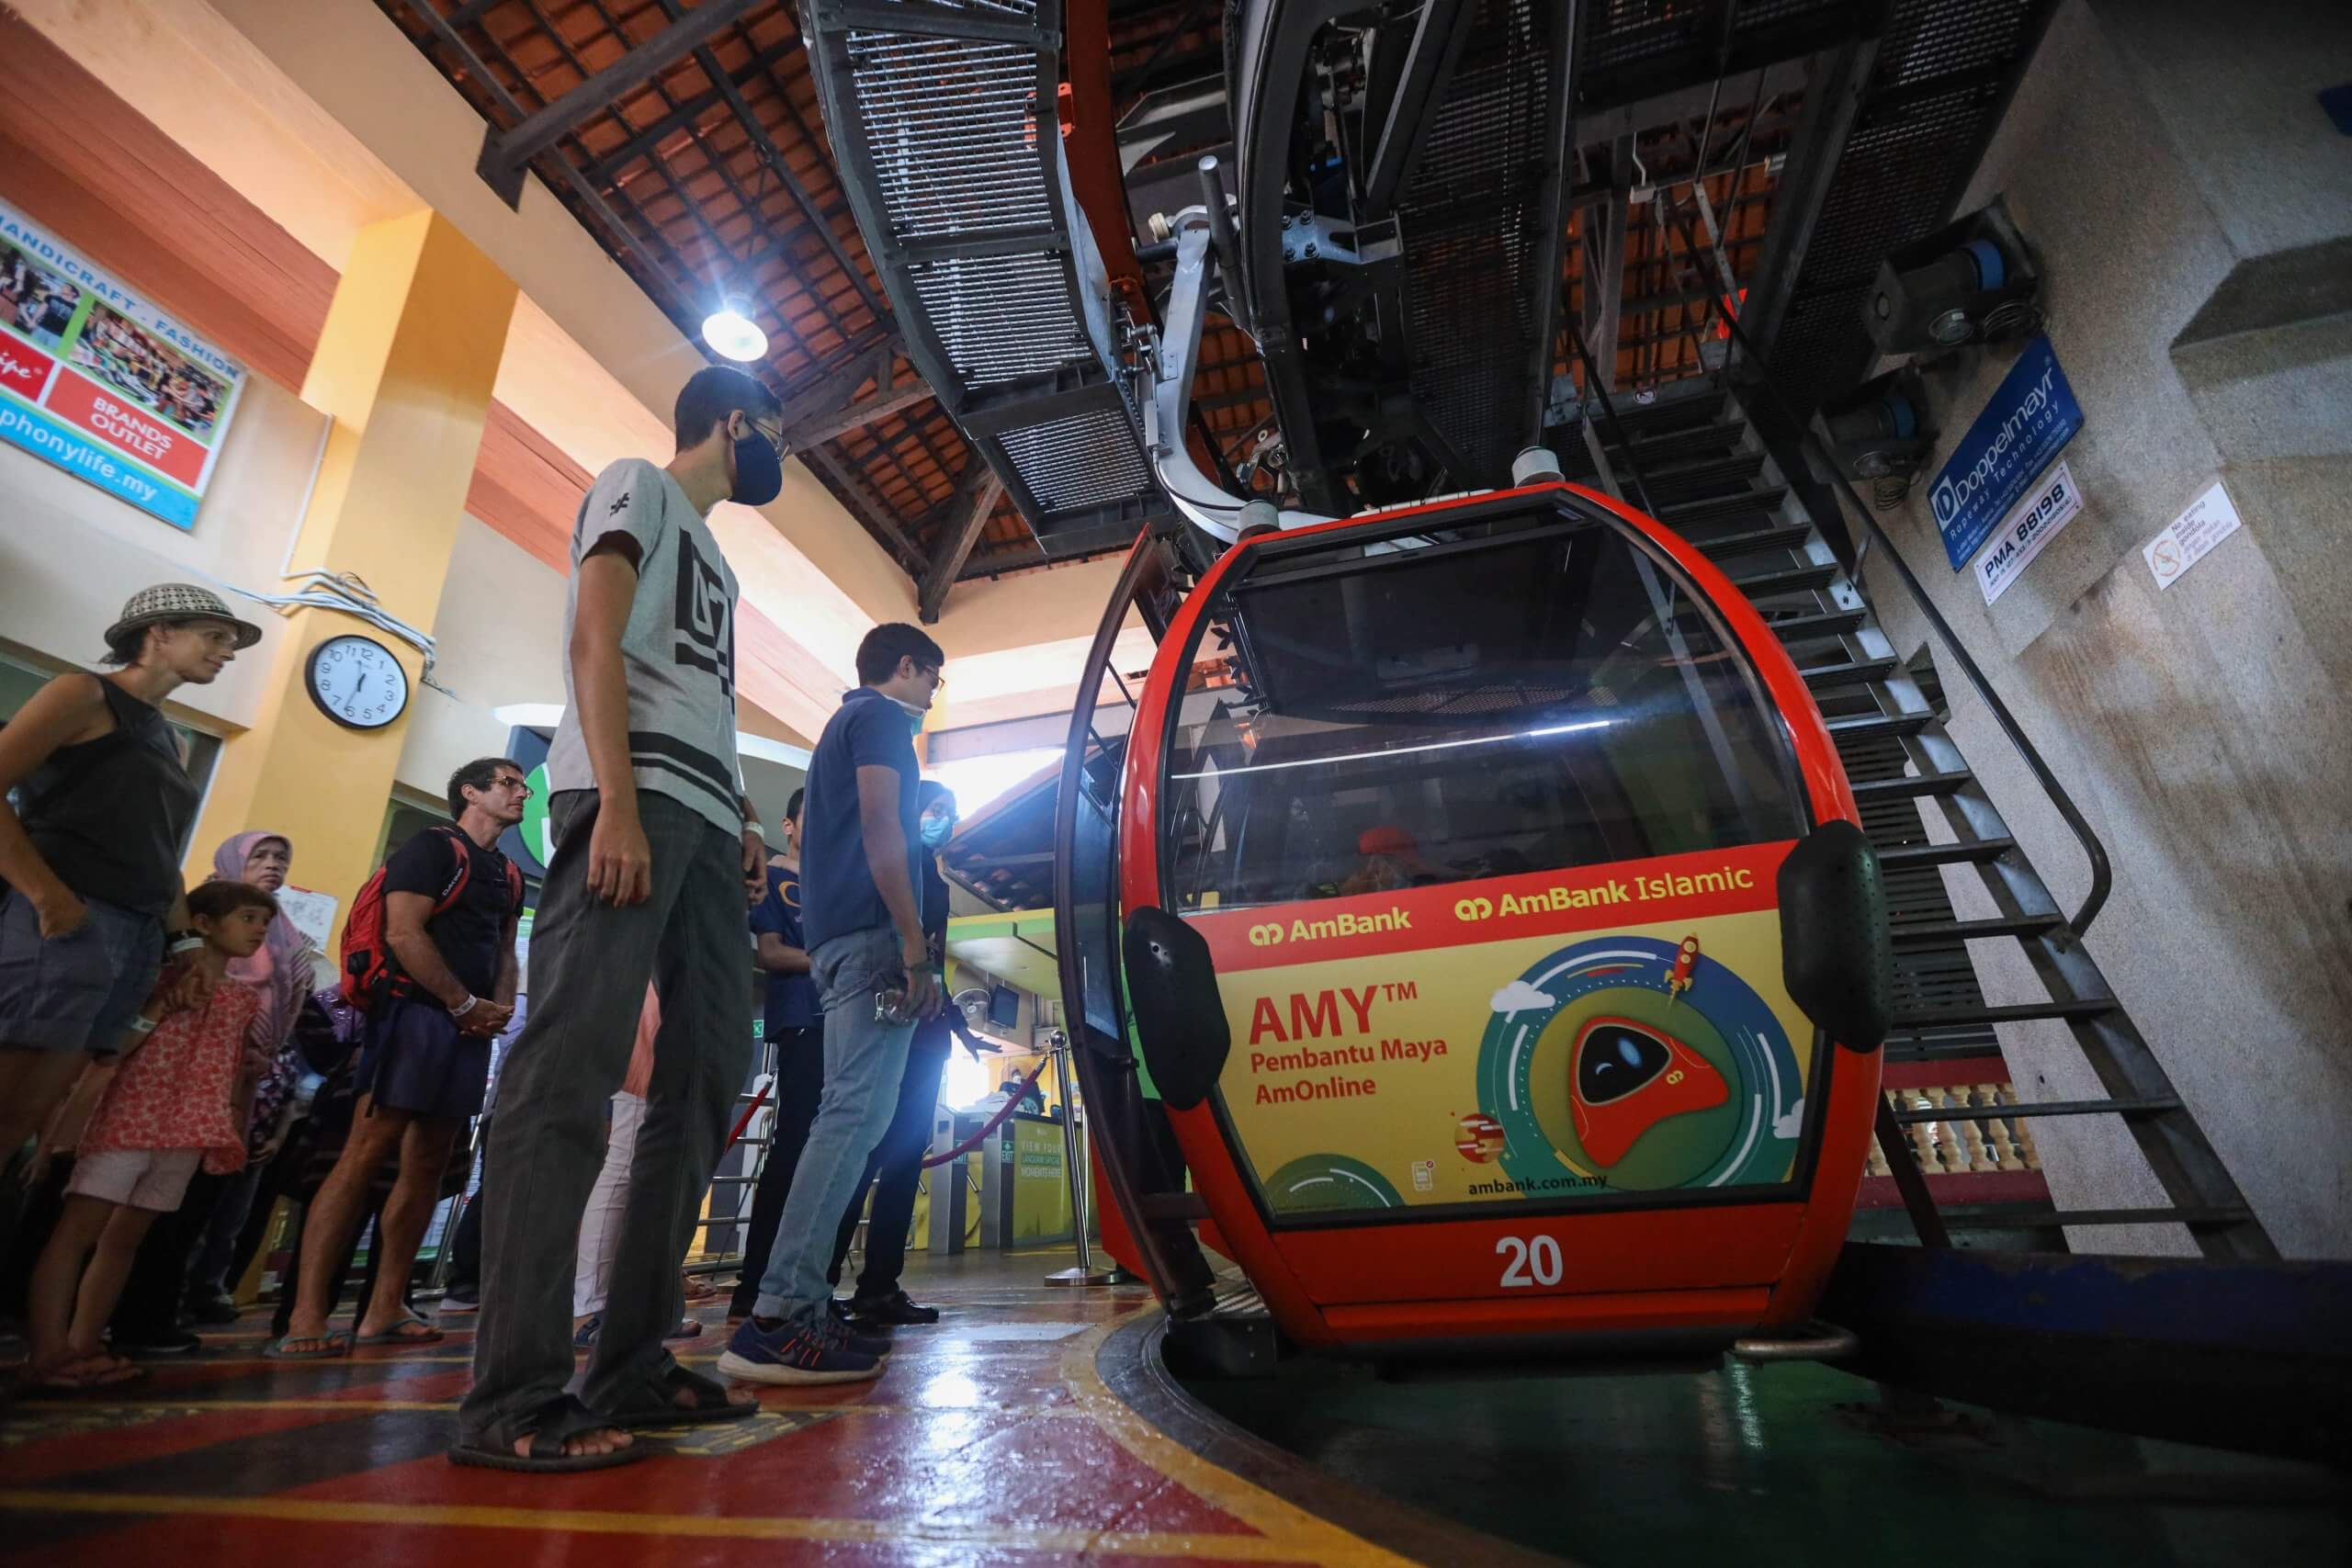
[{"x": 1695, "y": 460}]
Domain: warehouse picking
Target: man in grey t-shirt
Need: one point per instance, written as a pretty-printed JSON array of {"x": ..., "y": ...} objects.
[{"x": 657, "y": 852}]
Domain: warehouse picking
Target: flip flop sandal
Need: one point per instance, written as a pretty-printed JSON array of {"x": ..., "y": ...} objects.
[
  {"x": 100, "y": 1371},
  {"x": 118, "y": 1369},
  {"x": 559, "y": 1419},
  {"x": 658, "y": 1405},
  {"x": 333, "y": 1345},
  {"x": 398, "y": 1333}
]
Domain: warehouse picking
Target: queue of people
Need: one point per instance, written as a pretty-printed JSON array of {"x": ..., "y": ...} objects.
[{"x": 171, "y": 1036}]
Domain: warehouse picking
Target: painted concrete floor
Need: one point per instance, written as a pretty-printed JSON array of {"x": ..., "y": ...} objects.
[
  {"x": 992, "y": 1438},
  {"x": 1783, "y": 1464},
  {"x": 989, "y": 1439}
]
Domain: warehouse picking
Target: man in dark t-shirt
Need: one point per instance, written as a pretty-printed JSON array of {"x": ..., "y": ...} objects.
[{"x": 451, "y": 906}]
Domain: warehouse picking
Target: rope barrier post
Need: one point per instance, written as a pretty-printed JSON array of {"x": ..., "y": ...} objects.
[
  {"x": 437, "y": 1278},
  {"x": 1085, "y": 1273}
]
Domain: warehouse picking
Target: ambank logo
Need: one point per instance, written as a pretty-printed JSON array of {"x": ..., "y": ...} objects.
[
  {"x": 1473, "y": 909},
  {"x": 1334, "y": 928}
]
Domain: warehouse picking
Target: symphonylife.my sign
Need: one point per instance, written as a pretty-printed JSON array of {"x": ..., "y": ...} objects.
[
  {"x": 2032, "y": 416},
  {"x": 96, "y": 380}
]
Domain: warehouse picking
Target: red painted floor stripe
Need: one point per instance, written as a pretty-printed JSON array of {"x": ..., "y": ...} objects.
[
  {"x": 53, "y": 1458},
  {"x": 242, "y": 1543}
]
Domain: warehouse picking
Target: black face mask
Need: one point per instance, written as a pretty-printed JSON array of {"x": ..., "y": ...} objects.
[{"x": 759, "y": 473}]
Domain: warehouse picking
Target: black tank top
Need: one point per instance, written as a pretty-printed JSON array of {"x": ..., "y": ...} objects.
[{"x": 109, "y": 815}]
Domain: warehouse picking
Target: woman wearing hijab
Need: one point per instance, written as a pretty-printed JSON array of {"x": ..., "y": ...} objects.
[{"x": 209, "y": 1221}]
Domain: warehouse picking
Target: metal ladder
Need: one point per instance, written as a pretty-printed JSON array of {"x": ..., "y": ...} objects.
[{"x": 1696, "y": 461}]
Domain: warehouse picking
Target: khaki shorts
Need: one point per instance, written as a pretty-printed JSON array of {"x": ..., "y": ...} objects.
[{"x": 136, "y": 1179}]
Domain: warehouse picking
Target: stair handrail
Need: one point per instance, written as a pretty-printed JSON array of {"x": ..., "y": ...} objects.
[{"x": 2102, "y": 872}]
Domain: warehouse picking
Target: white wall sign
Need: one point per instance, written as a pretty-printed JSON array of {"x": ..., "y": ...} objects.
[
  {"x": 2049, "y": 506},
  {"x": 311, "y": 913},
  {"x": 2186, "y": 539}
]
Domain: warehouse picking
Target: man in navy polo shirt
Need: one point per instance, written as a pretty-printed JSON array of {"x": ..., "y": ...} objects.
[{"x": 862, "y": 923}]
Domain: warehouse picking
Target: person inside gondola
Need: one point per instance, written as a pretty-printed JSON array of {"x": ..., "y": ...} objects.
[{"x": 1392, "y": 859}]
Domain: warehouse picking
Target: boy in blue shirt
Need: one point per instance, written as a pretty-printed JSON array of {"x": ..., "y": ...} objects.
[
  {"x": 862, "y": 922},
  {"x": 795, "y": 1033}
]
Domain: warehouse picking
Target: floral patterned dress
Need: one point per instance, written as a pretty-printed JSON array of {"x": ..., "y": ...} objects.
[{"x": 179, "y": 1091}]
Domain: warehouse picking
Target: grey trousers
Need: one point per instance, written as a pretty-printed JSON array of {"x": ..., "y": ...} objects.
[{"x": 590, "y": 964}]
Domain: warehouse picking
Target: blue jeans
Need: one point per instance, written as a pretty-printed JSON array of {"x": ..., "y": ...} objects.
[{"x": 863, "y": 1062}]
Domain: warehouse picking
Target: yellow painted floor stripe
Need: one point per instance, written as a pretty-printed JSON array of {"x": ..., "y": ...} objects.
[
  {"x": 1186, "y": 1546},
  {"x": 1304, "y": 1536}
]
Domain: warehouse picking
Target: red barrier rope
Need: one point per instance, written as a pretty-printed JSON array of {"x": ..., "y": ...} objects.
[
  {"x": 745, "y": 1119},
  {"x": 1012, "y": 1103},
  {"x": 958, "y": 1152}
]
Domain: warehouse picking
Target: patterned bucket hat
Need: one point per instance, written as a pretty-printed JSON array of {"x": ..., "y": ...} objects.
[{"x": 178, "y": 602}]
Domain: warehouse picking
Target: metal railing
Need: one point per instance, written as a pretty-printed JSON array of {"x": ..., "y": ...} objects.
[{"x": 2094, "y": 850}]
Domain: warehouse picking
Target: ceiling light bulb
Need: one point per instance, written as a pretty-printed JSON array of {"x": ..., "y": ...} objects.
[{"x": 731, "y": 331}]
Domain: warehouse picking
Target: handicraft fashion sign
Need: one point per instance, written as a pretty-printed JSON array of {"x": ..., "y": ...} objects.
[{"x": 98, "y": 382}]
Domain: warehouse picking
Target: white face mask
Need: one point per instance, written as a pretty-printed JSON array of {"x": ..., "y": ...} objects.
[{"x": 915, "y": 716}]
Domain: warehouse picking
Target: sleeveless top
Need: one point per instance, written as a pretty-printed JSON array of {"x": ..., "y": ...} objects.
[{"x": 109, "y": 815}]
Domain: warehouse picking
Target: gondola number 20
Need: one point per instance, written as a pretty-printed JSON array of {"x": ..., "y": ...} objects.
[{"x": 1535, "y": 1261}]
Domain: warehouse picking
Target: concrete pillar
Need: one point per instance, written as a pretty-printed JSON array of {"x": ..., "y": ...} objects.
[{"x": 404, "y": 368}]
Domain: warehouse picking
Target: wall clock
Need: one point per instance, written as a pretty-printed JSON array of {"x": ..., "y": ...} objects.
[{"x": 357, "y": 681}]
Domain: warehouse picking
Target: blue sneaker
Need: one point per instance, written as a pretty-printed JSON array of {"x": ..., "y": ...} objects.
[
  {"x": 790, "y": 1354},
  {"x": 584, "y": 1337}
]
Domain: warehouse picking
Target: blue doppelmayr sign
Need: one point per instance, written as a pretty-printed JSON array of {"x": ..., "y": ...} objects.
[{"x": 2032, "y": 416}]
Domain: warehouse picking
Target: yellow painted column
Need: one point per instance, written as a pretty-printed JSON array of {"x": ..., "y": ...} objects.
[{"x": 404, "y": 368}]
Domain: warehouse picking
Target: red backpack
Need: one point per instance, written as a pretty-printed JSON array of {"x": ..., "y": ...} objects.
[{"x": 371, "y": 972}]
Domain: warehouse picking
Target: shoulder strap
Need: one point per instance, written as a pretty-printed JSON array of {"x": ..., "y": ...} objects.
[{"x": 459, "y": 877}]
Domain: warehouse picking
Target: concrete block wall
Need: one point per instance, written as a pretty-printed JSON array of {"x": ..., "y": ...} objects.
[{"x": 2206, "y": 729}]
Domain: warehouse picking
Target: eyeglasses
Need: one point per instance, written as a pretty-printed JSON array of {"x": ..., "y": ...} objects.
[
  {"x": 517, "y": 784},
  {"x": 938, "y": 676},
  {"x": 775, "y": 437}
]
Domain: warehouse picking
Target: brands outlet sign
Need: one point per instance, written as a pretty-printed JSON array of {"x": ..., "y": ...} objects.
[
  {"x": 2030, "y": 418},
  {"x": 96, "y": 380}
]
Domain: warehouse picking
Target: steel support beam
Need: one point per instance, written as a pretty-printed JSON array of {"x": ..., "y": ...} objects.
[
  {"x": 976, "y": 490},
  {"x": 1605, "y": 277},
  {"x": 1438, "y": 37},
  {"x": 506, "y": 155},
  {"x": 1837, "y": 82}
]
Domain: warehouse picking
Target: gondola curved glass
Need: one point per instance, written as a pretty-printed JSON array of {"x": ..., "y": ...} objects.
[{"x": 1481, "y": 827}]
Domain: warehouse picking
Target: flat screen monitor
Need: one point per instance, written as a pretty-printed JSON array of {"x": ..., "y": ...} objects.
[{"x": 1004, "y": 1009}]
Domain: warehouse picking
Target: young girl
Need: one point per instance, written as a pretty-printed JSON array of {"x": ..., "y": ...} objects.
[{"x": 170, "y": 1109}]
